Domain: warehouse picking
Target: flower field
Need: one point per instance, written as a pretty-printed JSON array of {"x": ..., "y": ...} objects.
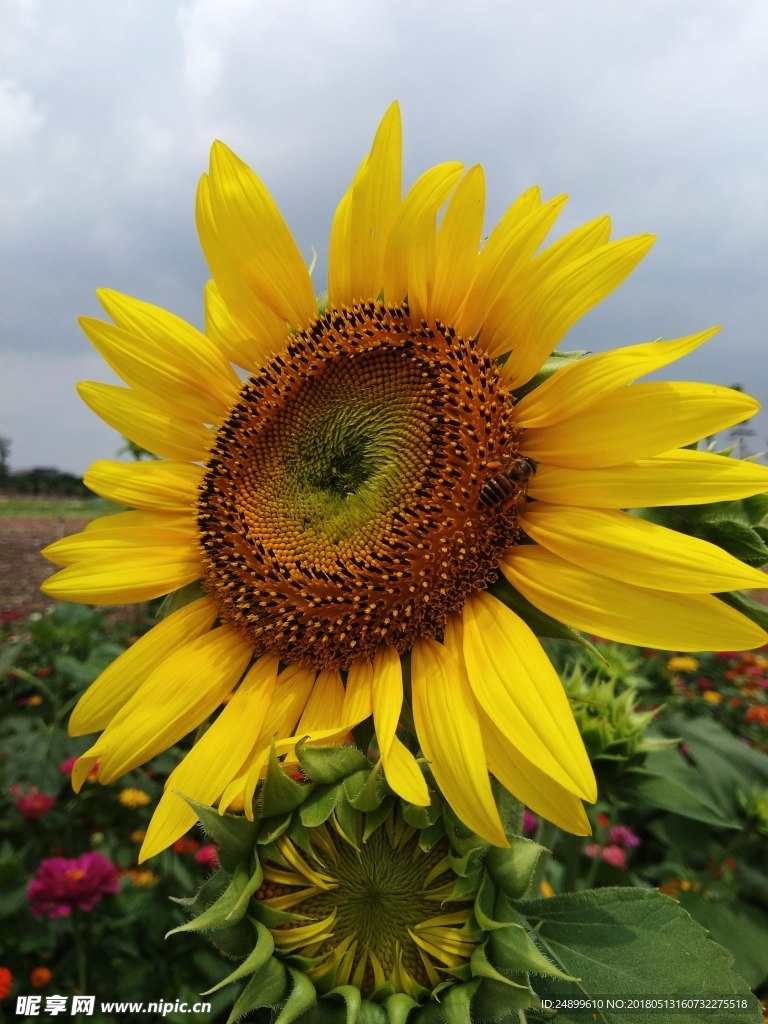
[{"x": 678, "y": 743}]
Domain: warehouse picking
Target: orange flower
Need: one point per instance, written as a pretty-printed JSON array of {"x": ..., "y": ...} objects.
[
  {"x": 6, "y": 982},
  {"x": 39, "y": 977},
  {"x": 757, "y": 714}
]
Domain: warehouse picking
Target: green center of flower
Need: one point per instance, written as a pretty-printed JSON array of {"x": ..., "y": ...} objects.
[
  {"x": 376, "y": 913},
  {"x": 356, "y": 494}
]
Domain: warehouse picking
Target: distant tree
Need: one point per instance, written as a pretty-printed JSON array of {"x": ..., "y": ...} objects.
[{"x": 5, "y": 451}]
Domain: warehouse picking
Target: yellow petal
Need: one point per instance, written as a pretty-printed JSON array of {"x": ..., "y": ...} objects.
[
  {"x": 409, "y": 264},
  {"x": 365, "y": 217},
  {"x": 682, "y": 477},
  {"x": 447, "y": 726},
  {"x": 137, "y": 417},
  {"x": 500, "y": 258},
  {"x": 120, "y": 680},
  {"x": 565, "y": 297},
  {"x": 624, "y": 547},
  {"x": 126, "y": 577},
  {"x": 142, "y": 520},
  {"x": 238, "y": 344},
  {"x": 400, "y": 768},
  {"x": 358, "y": 695},
  {"x": 184, "y": 689},
  {"x": 530, "y": 784},
  {"x": 507, "y": 319},
  {"x": 516, "y": 685},
  {"x": 323, "y": 710},
  {"x": 252, "y": 317},
  {"x": 458, "y": 241},
  {"x": 254, "y": 256},
  {"x": 586, "y": 381},
  {"x": 625, "y": 613},
  {"x": 637, "y": 422},
  {"x": 119, "y": 543},
  {"x": 167, "y": 486},
  {"x": 176, "y": 348},
  {"x": 214, "y": 759}
]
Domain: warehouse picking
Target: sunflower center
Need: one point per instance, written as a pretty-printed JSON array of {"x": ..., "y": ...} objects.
[
  {"x": 384, "y": 912},
  {"x": 349, "y": 499}
]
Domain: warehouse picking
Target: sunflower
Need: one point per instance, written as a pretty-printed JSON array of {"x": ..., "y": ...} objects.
[{"x": 341, "y": 518}]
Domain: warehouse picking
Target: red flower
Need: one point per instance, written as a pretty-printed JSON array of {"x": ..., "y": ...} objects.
[
  {"x": 207, "y": 855},
  {"x": 6, "y": 982},
  {"x": 39, "y": 977},
  {"x": 32, "y": 805},
  {"x": 61, "y": 885},
  {"x": 185, "y": 845},
  {"x": 615, "y": 856}
]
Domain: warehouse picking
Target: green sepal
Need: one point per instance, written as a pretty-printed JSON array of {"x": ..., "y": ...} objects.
[
  {"x": 220, "y": 913},
  {"x": 513, "y": 945},
  {"x": 541, "y": 624},
  {"x": 457, "y": 1002},
  {"x": 353, "y": 784},
  {"x": 319, "y": 805},
  {"x": 329, "y": 764},
  {"x": 179, "y": 599},
  {"x": 420, "y": 817},
  {"x": 352, "y": 1001},
  {"x": 255, "y": 960},
  {"x": 371, "y": 1013},
  {"x": 273, "y": 828},
  {"x": 374, "y": 818},
  {"x": 432, "y": 835},
  {"x": 236, "y": 941},
  {"x": 500, "y": 1003},
  {"x": 398, "y": 1007},
  {"x": 510, "y": 809},
  {"x": 302, "y": 996},
  {"x": 347, "y": 818},
  {"x": 555, "y": 362},
  {"x": 266, "y": 988},
  {"x": 372, "y": 793},
  {"x": 253, "y": 886},
  {"x": 280, "y": 794},
  {"x": 233, "y": 834},
  {"x": 207, "y": 894},
  {"x": 512, "y": 868},
  {"x": 485, "y": 905},
  {"x": 482, "y": 967},
  {"x": 272, "y": 917},
  {"x": 758, "y": 613}
]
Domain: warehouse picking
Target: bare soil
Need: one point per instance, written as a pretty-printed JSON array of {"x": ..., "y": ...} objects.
[{"x": 22, "y": 567}]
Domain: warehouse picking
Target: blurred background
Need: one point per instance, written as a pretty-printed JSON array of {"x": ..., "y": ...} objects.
[{"x": 649, "y": 112}]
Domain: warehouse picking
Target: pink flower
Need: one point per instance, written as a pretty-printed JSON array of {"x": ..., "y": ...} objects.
[
  {"x": 592, "y": 849},
  {"x": 615, "y": 856},
  {"x": 32, "y": 805},
  {"x": 66, "y": 766},
  {"x": 624, "y": 836},
  {"x": 530, "y": 823},
  {"x": 207, "y": 855},
  {"x": 61, "y": 885}
]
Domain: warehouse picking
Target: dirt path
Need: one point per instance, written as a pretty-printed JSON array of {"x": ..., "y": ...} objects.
[{"x": 22, "y": 567}]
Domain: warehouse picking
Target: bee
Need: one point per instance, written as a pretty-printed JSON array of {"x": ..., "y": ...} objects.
[{"x": 509, "y": 486}]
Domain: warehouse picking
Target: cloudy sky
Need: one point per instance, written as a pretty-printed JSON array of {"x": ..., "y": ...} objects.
[{"x": 653, "y": 112}]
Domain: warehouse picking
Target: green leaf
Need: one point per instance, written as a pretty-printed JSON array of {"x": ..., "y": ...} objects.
[
  {"x": 725, "y": 766},
  {"x": 738, "y": 539},
  {"x": 741, "y": 929},
  {"x": 669, "y": 782},
  {"x": 633, "y": 942},
  {"x": 330, "y": 764}
]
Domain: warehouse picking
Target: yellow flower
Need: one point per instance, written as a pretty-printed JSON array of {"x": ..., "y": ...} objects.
[
  {"x": 138, "y": 835},
  {"x": 353, "y": 501},
  {"x": 142, "y": 879},
  {"x": 682, "y": 663},
  {"x": 545, "y": 889},
  {"x": 712, "y": 696},
  {"x": 134, "y": 798}
]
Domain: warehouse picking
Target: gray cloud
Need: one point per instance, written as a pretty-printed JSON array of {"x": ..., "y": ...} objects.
[{"x": 649, "y": 112}]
